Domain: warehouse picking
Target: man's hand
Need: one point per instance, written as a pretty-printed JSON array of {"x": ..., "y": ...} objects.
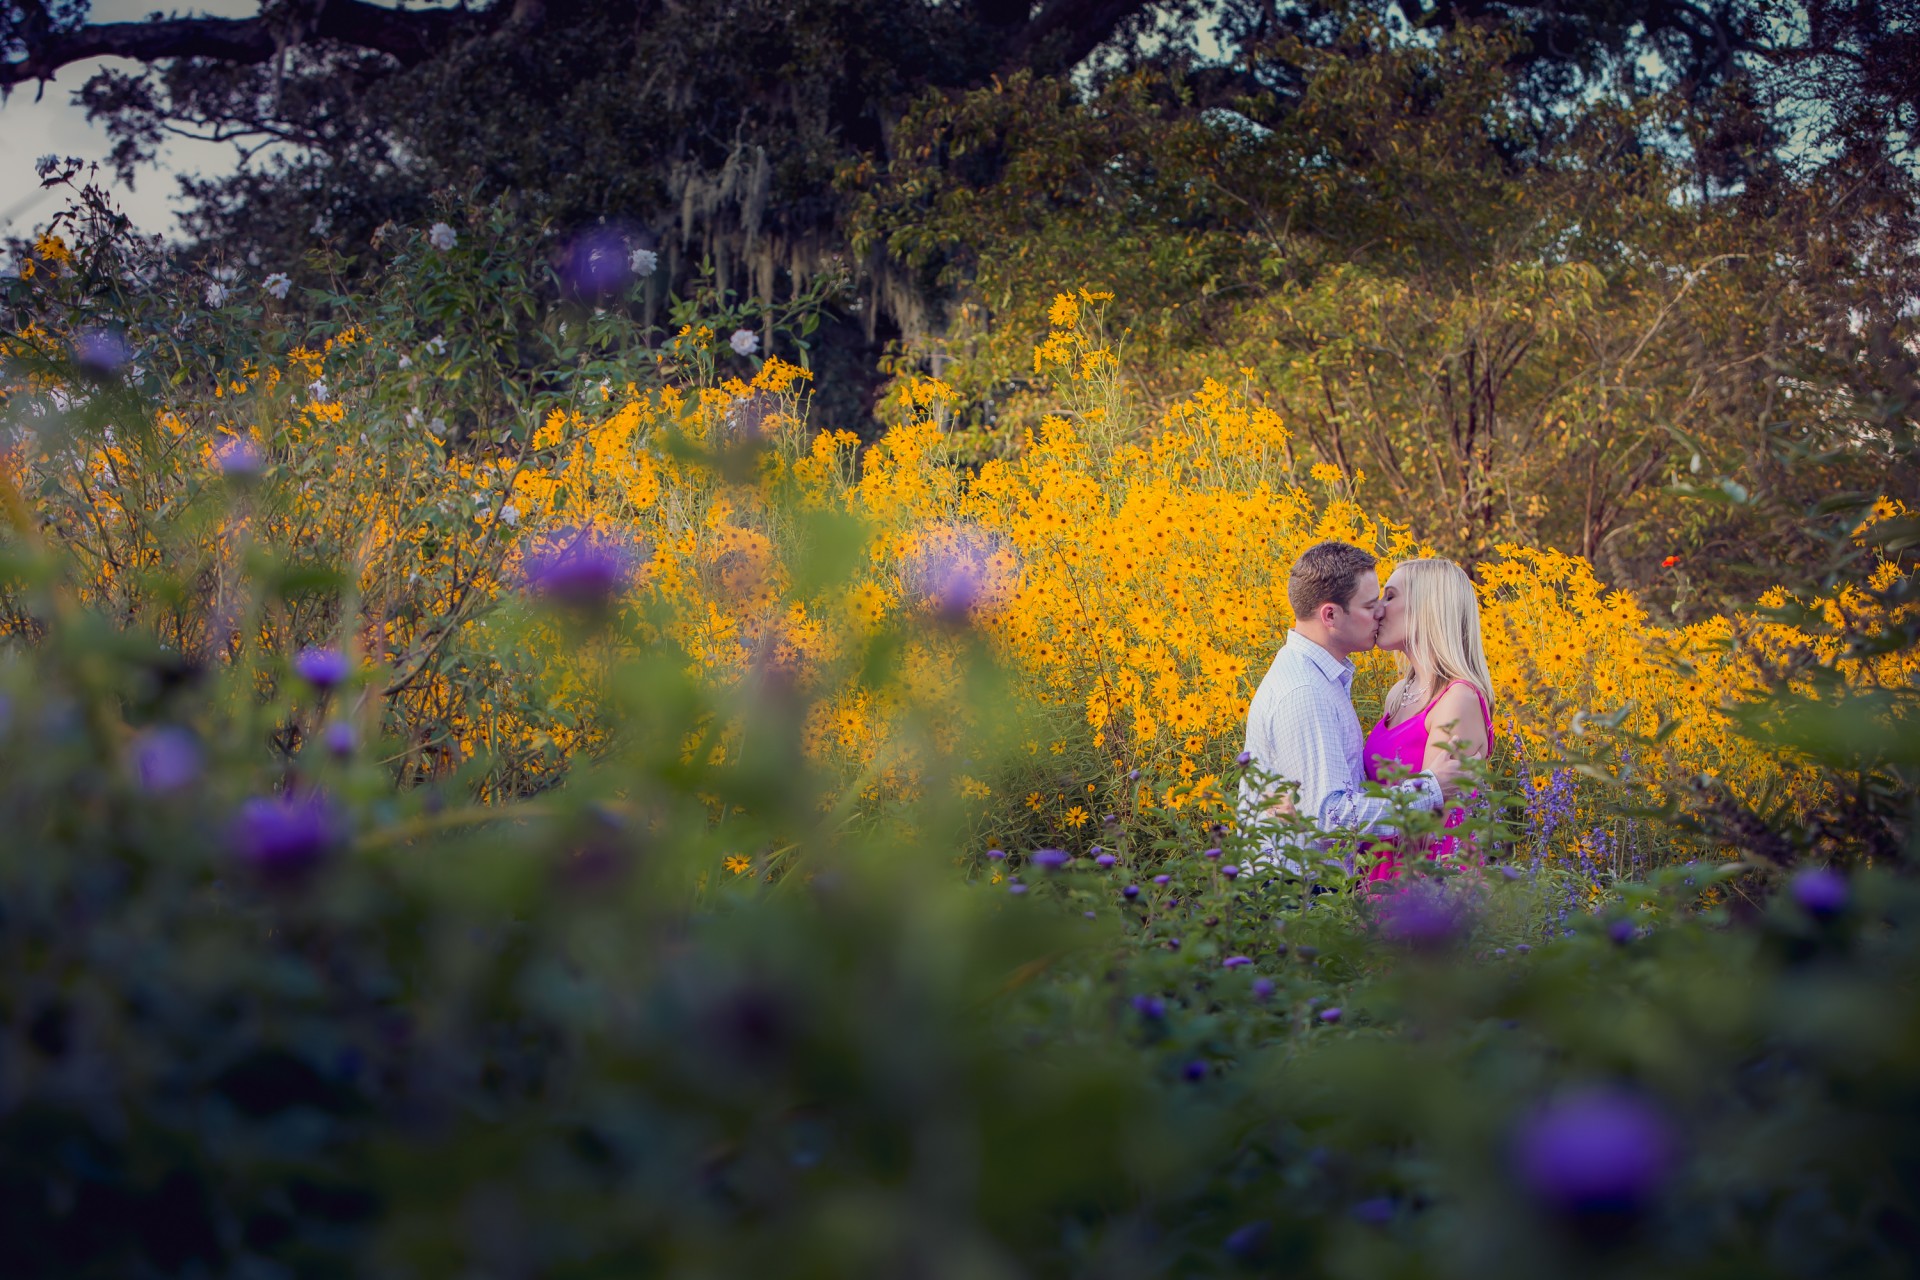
[{"x": 1447, "y": 772}]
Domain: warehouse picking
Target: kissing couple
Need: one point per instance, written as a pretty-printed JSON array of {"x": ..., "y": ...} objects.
[{"x": 1303, "y": 735}]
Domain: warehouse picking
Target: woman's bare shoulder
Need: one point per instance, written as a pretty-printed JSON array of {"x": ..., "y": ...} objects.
[{"x": 1457, "y": 715}]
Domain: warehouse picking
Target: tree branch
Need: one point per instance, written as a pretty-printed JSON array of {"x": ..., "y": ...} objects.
[
  {"x": 407, "y": 36},
  {"x": 1064, "y": 32}
]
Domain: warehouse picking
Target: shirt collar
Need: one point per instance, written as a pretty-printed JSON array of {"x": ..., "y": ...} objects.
[{"x": 1338, "y": 670}]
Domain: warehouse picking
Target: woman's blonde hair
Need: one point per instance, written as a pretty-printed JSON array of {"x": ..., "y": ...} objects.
[{"x": 1443, "y": 627}]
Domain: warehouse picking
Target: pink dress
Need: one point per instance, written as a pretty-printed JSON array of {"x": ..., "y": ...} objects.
[{"x": 1404, "y": 746}]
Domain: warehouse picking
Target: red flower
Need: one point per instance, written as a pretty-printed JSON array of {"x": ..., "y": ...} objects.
[{"x": 1669, "y": 562}]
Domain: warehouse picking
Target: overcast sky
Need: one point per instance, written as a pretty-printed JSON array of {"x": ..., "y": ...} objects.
[{"x": 30, "y": 129}]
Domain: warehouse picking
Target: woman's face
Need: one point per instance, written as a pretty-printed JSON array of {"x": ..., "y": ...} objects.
[{"x": 1393, "y": 619}]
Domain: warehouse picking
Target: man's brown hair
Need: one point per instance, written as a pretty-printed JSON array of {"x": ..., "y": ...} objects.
[{"x": 1324, "y": 574}]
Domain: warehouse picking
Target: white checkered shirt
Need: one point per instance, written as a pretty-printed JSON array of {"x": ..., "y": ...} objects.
[{"x": 1301, "y": 726}]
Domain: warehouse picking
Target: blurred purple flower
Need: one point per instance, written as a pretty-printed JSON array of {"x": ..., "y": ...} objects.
[
  {"x": 1263, "y": 989},
  {"x": 284, "y": 836},
  {"x": 1133, "y": 775},
  {"x": 238, "y": 456},
  {"x": 1598, "y": 1151},
  {"x": 339, "y": 739},
  {"x": 995, "y": 855},
  {"x": 1230, "y": 871},
  {"x": 1821, "y": 892},
  {"x": 1196, "y": 1070},
  {"x": 1105, "y": 860},
  {"x": 1016, "y": 888},
  {"x": 101, "y": 351},
  {"x": 1152, "y": 1008},
  {"x": 324, "y": 669},
  {"x": 1330, "y": 1016},
  {"x": 1161, "y": 879},
  {"x": 1235, "y": 962},
  {"x": 597, "y": 264},
  {"x": 1210, "y": 853},
  {"x": 1131, "y": 891},
  {"x": 1622, "y": 932},
  {"x": 1422, "y": 916},
  {"x": 1248, "y": 1243},
  {"x": 1376, "y": 1212},
  {"x": 950, "y": 573},
  {"x": 165, "y": 759},
  {"x": 1244, "y": 759},
  {"x": 580, "y": 568},
  {"x": 1049, "y": 859}
]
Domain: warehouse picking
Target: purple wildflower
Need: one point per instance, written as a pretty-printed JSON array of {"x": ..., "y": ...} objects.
[
  {"x": 1622, "y": 932},
  {"x": 1821, "y": 892},
  {"x": 283, "y": 837},
  {"x": 1235, "y": 962},
  {"x": 950, "y": 575},
  {"x": 165, "y": 759},
  {"x": 1377, "y": 1212},
  {"x": 1152, "y": 1008},
  {"x": 1244, "y": 759},
  {"x": 1105, "y": 860},
  {"x": 1330, "y": 1016},
  {"x": 1016, "y": 888},
  {"x": 1263, "y": 989},
  {"x": 1133, "y": 775},
  {"x": 1049, "y": 859},
  {"x": 597, "y": 264},
  {"x": 1230, "y": 871},
  {"x": 1161, "y": 879},
  {"x": 995, "y": 855},
  {"x": 1210, "y": 853},
  {"x": 324, "y": 669},
  {"x": 1131, "y": 891},
  {"x": 1196, "y": 1070},
  {"x": 1599, "y": 1151}
]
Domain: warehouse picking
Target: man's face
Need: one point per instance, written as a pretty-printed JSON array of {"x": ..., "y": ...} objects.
[{"x": 1355, "y": 627}]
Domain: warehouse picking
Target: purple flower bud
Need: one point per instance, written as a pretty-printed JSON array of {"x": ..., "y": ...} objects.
[
  {"x": 1196, "y": 1070},
  {"x": 1235, "y": 962},
  {"x": 165, "y": 759},
  {"x": 1016, "y": 888},
  {"x": 1523, "y": 948},
  {"x": 1089, "y": 915},
  {"x": 1131, "y": 891},
  {"x": 1133, "y": 775},
  {"x": 1821, "y": 892},
  {"x": 1244, "y": 759},
  {"x": 1499, "y": 951},
  {"x": 1110, "y": 819},
  {"x": 1049, "y": 859},
  {"x": 995, "y": 855},
  {"x": 1161, "y": 879},
  {"x": 1152, "y": 1008},
  {"x": 1622, "y": 932},
  {"x": 1230, "y": 871},
  {"x": 1211, "y": 853},
  {"x": 283, "y": 837},
  {"x": 324, "y": 669},
  {"x": 1330, "y": 1016},
  {"x": 339, "y": 739},
  {"x": 1105, "y": 860},
  {"x": 1263, "y": 989},
  {"x": 1510, "y": 873},
  {"x": 1600, "y": 1151}
]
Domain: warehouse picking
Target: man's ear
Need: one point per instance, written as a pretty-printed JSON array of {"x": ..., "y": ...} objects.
[{"x": 1327, "y": 613}]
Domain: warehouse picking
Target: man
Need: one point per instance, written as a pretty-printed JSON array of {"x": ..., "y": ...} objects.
[{"x": 1301, "y": 725}]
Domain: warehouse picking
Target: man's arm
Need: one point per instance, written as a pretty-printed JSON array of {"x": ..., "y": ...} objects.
[{"x": 1306, "y": 732}]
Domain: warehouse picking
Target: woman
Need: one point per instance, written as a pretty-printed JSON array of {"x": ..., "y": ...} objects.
[{"x": 1443, "y": 702}]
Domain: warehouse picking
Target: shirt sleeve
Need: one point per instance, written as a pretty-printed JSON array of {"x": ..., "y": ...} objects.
[{"x": 1309, "y": 725}]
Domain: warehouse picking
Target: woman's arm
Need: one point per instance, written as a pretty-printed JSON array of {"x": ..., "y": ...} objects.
[{"x": 1456, "y": 728}]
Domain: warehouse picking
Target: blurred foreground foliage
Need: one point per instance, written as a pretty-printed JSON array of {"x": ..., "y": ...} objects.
[{"x": 289, "y": 995}]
